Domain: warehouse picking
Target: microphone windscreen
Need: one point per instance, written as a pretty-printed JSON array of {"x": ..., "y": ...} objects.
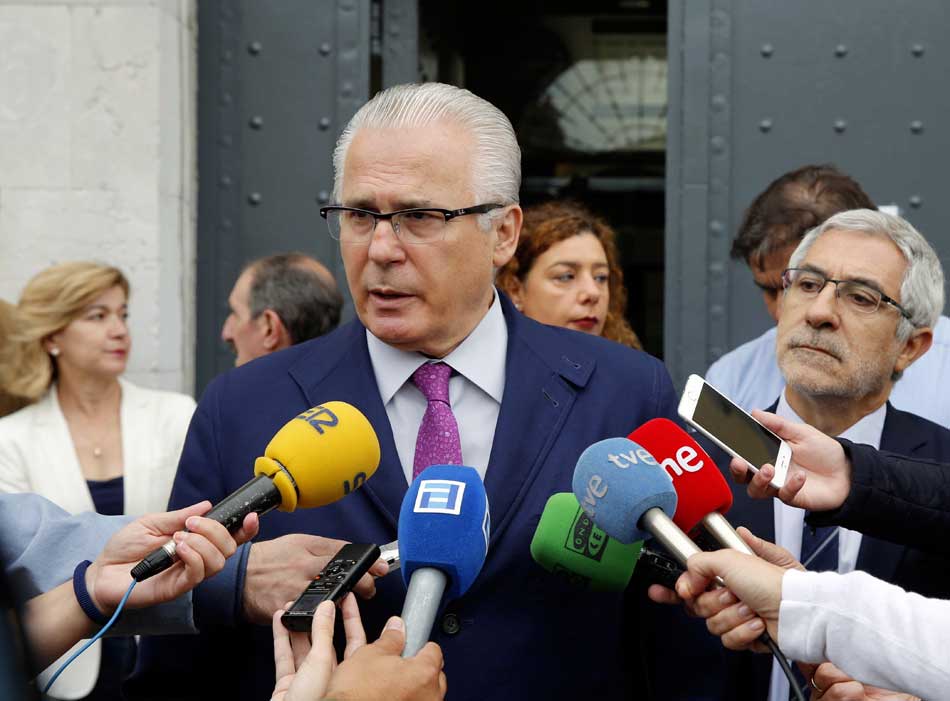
[
  {"x": 444, "y": 523},
  {"x": 569, "y": 545},
  {"x": 326, "y": 452},
  {"x": 616, "y": 481},
  {"x": 700, "y": 487}
]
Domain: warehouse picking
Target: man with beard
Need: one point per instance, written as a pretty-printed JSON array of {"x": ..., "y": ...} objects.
[{"x": 861, "y": 296}]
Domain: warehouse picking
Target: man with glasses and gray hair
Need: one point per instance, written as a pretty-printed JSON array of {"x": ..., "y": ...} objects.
[
  {"x": 862, "y": 294},
  {"x": 771, "y": 229},
  {"x": 426, "y": 190}
]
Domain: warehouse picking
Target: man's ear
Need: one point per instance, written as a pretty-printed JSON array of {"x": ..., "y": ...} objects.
[
  {"x": 915, "y": 346},
  {"x": 507, "y": 232},
  {"x": 274, "y": 335}
]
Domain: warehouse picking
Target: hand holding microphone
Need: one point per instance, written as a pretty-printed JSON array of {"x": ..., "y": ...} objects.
[
  {"x": 204, "y": 548},
  {"x": 317, "y": 458},
  {"x": 623, "y": 489},
  {"x": 307, "y": 669},
  {"x": 728, "y": 615},
  {"x": 757, "y": 584},
  {"x": 703, "y": 500}
]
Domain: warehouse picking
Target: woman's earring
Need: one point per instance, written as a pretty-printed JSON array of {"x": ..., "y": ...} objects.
[{"x": 54, "y": 351}]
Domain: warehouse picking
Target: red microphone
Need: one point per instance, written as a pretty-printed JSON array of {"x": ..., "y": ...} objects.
[{"x": 703, "y": 496}]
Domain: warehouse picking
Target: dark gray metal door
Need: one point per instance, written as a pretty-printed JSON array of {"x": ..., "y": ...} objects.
[
  {"x": 277, "y": 83},
  {"x": 758, "y": 88}
]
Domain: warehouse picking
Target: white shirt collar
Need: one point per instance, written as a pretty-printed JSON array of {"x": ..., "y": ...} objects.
[
  {"x": 867, "y": 431},
  {"x": 480, "y": 358}
]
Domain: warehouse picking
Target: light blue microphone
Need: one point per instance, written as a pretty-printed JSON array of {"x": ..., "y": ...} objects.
[
  {"x": 443, "y": 540},
  {"x": 623, "y": 489}
]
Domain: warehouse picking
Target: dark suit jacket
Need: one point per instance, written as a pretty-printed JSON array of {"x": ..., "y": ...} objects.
[
  {"x": 523, "y": 633},
  {"x": 744, "y": 676}
]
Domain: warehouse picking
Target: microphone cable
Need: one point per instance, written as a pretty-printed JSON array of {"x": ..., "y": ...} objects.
[
  {"x": 93, "y": 639},
  {"x": 777, "y": 653},
  {"x": 784, "y": 664}
]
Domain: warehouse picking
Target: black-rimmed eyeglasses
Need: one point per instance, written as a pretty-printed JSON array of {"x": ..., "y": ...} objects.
[
  {"x": 856, "y": 296},
  {"x": 415, "y": 226}
]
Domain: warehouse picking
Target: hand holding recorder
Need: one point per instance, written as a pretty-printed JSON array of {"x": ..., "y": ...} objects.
[{"x": 307, "y": 671}]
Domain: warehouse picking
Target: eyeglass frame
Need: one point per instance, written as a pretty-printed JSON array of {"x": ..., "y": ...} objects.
[
  {"x": 449, "y": 215},
  {"x": 884, "y": 298}
]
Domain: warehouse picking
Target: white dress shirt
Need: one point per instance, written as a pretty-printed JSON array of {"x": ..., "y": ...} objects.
[
  {"x": 790, "y": 520},
  {"x": 475, "y": 389}
]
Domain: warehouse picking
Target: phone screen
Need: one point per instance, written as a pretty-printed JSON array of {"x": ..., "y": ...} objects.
[{"x": 735, "y": 428}]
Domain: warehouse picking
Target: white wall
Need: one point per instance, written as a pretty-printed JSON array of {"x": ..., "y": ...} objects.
[{"x": 97, "y": 159}]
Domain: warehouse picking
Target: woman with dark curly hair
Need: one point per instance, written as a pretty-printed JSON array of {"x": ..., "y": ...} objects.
[{"x": 566, "y": 272}]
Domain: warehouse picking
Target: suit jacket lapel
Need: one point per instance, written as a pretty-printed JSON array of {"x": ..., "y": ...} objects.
[
  {"x": 904, "y": 436},
  {"x": 536, "y": 403},
  {"x": 343, "y": 371}
]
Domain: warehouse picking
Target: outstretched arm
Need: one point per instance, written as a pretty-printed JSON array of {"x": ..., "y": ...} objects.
[{"x": 54, "y": 621}]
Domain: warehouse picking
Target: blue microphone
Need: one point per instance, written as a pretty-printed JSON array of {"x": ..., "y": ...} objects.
[
  {"x": 444, "y": 525},
  {"x": 626, "y": 492}
]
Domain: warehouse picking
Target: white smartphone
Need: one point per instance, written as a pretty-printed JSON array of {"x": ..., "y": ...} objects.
[{"x": 733, "y": 430}]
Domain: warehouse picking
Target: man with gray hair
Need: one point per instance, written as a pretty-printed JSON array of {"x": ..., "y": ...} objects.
[
  {"x": 279, "y": 301},
  {"x": 448, "y": 372},
  {"x": 862, "y": 294}
]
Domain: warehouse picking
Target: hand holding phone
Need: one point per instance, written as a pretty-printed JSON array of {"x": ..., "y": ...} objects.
[{"x": 733, "y": 430}]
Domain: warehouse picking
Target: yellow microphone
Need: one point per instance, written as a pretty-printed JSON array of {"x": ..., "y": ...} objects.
[{"x": 318, "y": 457}]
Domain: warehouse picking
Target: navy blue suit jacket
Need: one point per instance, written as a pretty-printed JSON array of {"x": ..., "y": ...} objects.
[
  {"x": 524, "y": 634},
  {"x": 744, "y": 676}
]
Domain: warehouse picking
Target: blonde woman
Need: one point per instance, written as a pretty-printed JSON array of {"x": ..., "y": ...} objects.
[{"x": 88, "y": 440}]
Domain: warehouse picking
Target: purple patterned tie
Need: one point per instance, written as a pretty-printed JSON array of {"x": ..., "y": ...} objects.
[{"x": 438, "y": 440}]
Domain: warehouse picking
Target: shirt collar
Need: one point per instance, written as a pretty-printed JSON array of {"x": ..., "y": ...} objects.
[
  {"x": 480, "y": 358},
  {"x": 867, "y": 431}
]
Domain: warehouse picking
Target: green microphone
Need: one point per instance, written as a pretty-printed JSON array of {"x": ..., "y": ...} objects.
[{"x": 568, "y": 544}]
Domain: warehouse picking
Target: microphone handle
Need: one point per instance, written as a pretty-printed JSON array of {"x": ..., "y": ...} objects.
[
  {"x": 259, "y": 494},
  {"x": 720, "y": 529},
  {"x": 671, "y": 536},
  {"x": 426, "y": 586}
]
